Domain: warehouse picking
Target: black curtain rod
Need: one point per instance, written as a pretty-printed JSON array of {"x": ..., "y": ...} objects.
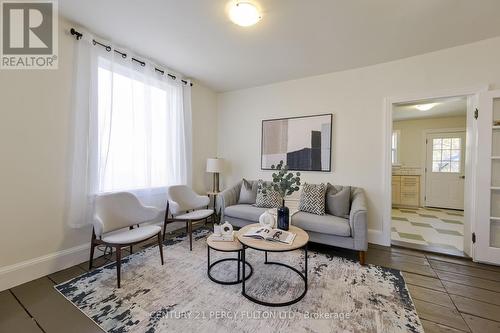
[{"x": 78, "y": 36}]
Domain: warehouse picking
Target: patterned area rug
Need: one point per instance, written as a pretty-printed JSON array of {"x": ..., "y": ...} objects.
[{"x": 178, "y": 297}]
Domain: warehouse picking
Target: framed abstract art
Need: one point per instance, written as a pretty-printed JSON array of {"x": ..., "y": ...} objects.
[{"x": 303, "y": 143}]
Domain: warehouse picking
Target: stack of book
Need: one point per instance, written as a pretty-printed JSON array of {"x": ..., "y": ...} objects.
[{"x": 223, "y": 237}]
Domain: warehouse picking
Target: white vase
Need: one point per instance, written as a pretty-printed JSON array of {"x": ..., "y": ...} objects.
[{"x": 267, "y": 220}]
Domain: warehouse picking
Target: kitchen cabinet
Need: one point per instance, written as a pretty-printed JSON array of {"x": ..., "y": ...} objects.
[{"x": 406, "y": 191}]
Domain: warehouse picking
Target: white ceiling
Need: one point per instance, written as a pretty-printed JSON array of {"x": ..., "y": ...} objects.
[
  {"x": 295, "y": 38},
  {"x": 446, "y": 107}
]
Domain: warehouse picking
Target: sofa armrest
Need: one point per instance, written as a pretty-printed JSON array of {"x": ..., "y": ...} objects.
[
  {"x": 228, "y": 197},
  {"x": 358, "y": 220}
]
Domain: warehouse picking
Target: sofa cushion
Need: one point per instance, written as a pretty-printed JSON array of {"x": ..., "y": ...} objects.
[
  {"x": 325, "y": 224},
  {"x": 248, "y": 192},
  {"x": 338, "y": 200},
  {"x": 245, "y": 212},
  {"x": 312, "y": 199}
]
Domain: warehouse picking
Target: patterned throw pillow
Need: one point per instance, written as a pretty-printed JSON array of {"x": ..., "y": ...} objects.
[
  {"x": 272, "y": 198},
  {"x": 312, "y": 199}
]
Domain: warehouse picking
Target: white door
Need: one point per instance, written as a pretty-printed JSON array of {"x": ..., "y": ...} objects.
[
  {"x": 487, "y": 224},
  {"x": 445, "y": 170}
]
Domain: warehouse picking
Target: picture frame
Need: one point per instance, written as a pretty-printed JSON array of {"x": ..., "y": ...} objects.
[{"x": 308, "y": 149}]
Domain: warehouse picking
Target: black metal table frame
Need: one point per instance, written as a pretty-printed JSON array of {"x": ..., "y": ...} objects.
[
  {"x": 239, "y": 260},
  {"x": 302, "y": 275}
]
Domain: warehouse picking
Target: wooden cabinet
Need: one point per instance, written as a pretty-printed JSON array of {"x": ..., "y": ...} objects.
[
  {"x": 396, "y": 190},
  {"x": 406, "y": 191}
]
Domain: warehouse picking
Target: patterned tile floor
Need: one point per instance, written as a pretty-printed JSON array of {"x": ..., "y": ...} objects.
[{"x": 438, "y": 229}]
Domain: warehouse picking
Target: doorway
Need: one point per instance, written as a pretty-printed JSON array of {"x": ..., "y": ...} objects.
[{"x": 428, "y": 154}]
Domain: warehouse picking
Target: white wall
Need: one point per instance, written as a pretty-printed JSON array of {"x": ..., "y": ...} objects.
[
  {"x": 356, "y": 97},
  {"x": 411, "y": 145},
  {"x": 204, "y": 105},
  {"x": 34, "y": 109}
]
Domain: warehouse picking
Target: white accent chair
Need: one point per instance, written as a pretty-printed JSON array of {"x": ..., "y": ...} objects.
[
  {"x": 117, "y": 211},
  {"x": 185, "y": 205}
]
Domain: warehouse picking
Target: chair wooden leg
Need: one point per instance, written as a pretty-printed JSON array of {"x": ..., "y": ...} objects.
[
  {"x": 92, "y": 248},
  {"x": 190, "y": 223},
  {"x": 362, "y": 257},
  {"x": 131, "y": 246},
  {"x": 118, "y": 263},
  {"x": 160, "y": 246}
]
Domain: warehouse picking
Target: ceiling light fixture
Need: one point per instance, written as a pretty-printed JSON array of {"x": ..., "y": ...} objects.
[
  {"x": 244, "y": 14},
  {"x": 425, "y": 107}
]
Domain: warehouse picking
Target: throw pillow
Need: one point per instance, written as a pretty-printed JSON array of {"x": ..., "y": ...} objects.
[
  {"x": 312, "y": 199},
  {"x": 248, "y": 193},
  {"x": 272, "y": 198},
  {"x": 338, "y": 200}
]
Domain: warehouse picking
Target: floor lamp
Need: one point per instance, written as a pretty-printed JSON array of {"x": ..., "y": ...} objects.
[{"x": 214, "y": 165}]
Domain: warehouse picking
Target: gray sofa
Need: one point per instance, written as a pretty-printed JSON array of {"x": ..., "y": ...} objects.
[{"x": 327, "y": 229}]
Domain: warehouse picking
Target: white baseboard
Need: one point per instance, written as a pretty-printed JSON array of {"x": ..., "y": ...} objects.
[
  {"x": 28, "y": 270},
  {"x": 377, "y": 237},
  {"x": 16, "y": 274}
]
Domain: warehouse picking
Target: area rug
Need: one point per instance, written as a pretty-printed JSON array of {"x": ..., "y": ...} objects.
[{"x": 179, "y": 297}]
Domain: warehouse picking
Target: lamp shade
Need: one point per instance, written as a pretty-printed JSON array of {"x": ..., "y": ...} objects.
[{"x": 214, "y": 165}]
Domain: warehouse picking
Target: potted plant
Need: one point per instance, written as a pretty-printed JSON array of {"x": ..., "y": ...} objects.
[{"x": 284, "y": 183}]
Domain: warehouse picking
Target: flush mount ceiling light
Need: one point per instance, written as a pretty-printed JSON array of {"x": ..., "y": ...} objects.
[
  {"x": 244, "y": 14},
  {"x": 425, "y": 107}
]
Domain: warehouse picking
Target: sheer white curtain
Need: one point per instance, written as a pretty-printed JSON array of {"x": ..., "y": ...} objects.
[{"x": 131, "y": 130}]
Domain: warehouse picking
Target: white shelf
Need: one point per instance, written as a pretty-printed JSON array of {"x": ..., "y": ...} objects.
[
  {"x": 495, "y": 157},
  {"x": 496, "y": 127},
  {"x": 495, "y": 188},
  {"x": 493, "y": 218}
]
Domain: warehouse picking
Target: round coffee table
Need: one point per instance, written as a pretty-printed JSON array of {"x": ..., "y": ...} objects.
[
  {"x": 300, "y": 242},
  {"x": 233, "y": 246}
]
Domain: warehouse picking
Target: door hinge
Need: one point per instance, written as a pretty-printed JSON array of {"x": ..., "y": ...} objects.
[
  {"x": 476, "y": 113},
  {"x": 473, "y": 237}
]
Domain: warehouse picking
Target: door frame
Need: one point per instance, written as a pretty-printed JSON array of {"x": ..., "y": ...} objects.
[
  {"x": 472, "y": 94},
  {"x": 425, "y": 133}
]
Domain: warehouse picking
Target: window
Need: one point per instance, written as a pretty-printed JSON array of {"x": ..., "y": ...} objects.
[
  {"x": 140, "y": 136},
  {"x": 446, "y": 154},
  {"x": 395, "y": 147}
]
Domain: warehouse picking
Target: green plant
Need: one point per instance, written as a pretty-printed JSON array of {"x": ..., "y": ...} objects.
[{"x": 284, "y": 182}]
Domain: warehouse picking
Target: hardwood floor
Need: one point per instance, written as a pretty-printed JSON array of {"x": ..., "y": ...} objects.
[{"x": 451, "y": 294}]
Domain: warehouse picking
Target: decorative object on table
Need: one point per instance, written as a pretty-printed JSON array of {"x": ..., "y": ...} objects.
[
  {"x": 227, "y": 229},
  {"x": 215, "y": 165},
  {"x": 226, "y": 233},
  {"x": 183, "y": 205},
  {"x": 312, "y": 199},
  {"x": 267, "y": 219},
  {"x": 270, "y": 234},
  {"x": 308, "y": 149},
  {"x": 496, "y": 122},
  {"x": 378, "y": 294},
  {"x": 284, "y": 183},
  {"x": 217, "y": 230}
]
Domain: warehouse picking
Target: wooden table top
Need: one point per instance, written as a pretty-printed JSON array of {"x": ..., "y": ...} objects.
[
  {"x": 301, "y": 239},
  {"x": 235, "y": 245}
]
